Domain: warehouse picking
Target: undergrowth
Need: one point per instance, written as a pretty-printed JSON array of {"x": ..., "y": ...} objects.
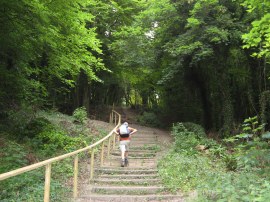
[
  {"x": 217, "y": 172},
  {"x": 149, "y": 119},
  {"x": 40, "y": 136}
]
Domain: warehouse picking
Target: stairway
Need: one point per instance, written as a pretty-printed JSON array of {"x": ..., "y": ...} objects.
[{"x": 139, "y": 181}]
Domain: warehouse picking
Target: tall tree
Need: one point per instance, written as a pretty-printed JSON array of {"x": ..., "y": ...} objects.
[
  {"x": 44, "y": 46},
  {"x": 258, "y": 41}
]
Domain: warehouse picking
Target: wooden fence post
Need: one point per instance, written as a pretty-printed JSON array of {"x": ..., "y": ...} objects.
[
  {"x": 109, "y": 146},
  {"x": 102, "y": 154},
  {"x": 114, "y": 136},
  {"x": 47, "y": 183},
  {"x": 110, "y": 121},
  {"x": 75, "y": 180},
  {"x": 92, "y": 164}
]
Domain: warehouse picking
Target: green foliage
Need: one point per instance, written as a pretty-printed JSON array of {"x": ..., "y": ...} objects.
[
  {"x": 48, "y": 134},
  {"x": 251, "y": 130},
  {"x": 183, "y": 172},
  {"x": 28, "y": 186},
  {"x": 208, "y": 176},
  {"x": 19, "y": 120},
  {"x": 251, "y": 125},
  {"x": 251, "y": 150},
  {"x": 191, "y": 41},
  {"x": 36, "y": 126},
  {"x": 53, "y": 140},
  {"x": 12, "y": 155},
  {"x": 231, "y": 162},
  {"x": 234, "y": 187},
  {"x": 187, "y": 136},
  {"x": 149, "y": 119},
  {"x": 80, "y": 115},
  {"x": 259, "y": 35},
  {"x": 266, "y": 135},
  {"x": 44, "y": 47},
  {"x": 197, "y": 129}
]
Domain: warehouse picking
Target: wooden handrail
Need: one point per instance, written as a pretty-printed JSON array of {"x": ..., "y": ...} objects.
[{"x": 48, "y": 163}]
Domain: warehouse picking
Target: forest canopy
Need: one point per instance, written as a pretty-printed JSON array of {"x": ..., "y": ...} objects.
[{"x": 204, "y": 61}]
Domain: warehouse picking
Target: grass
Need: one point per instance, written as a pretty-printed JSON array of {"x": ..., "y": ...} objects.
[
  {"x": 187, "y": 170},
  {"x": 49, "y": 135}
]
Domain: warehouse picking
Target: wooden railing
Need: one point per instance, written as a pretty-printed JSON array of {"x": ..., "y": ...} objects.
[{"x": 114, "y": 118}]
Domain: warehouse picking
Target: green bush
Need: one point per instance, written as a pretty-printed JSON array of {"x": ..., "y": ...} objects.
[
  {"x": 185, "y": 141},
  {"x": 233, "y": 186},
  {"x": 251, "y": 149},
  {"x": 149, "y": 119},
  {"x": 230, "y": 161},
  {"x": 253, "y": 159},
  {"x": 53, "y": 140},
  {"x": 18, "y": 119},
  {"x": 48, "y": 134},
  {"x": 211, "y": 176},
  {"x": 181, "y": 172},
  {"x": 12, "y": 156},
  {"x": 80, "y": 115},
  {"x": 35, "y": 126},
  {"x": 30, "y": 187},
  {"x": 195, "y": 128}
]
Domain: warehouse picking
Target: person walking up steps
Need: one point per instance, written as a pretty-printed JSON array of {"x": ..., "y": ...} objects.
[{"x": 124, "y": 132}]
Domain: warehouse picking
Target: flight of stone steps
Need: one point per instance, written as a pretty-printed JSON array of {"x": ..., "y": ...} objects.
[{"x": 139, "y": 181}]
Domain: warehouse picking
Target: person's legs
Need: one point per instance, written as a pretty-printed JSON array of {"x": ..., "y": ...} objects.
[
  {"x": 123, "y": 155},
  {"x": 124, "y": 147},
  {"x": 123, "y": 150},
  {"x": 126, "y": 152}
]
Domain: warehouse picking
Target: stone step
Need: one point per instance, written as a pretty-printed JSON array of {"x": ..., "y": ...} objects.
[
  {"x": 144, "y": 146},
  {"x": 124, "y": 170},
  {"x": 136, "y": 190},
  {"x": 130, "y": 198},
  {"x": 136, "y": 138},
  {"x": 146, "y": 132},
  {"x": 134, "y": 153},
  {"x": 140, "y": 176},
  {"x": 130, "y": 154},
  {"x": 137, "y": 151},
  {"x": 149, "y": 147},
  {"x": 133, "y": 163},
  {"x": 140, "y": 146},
  {"x": 113, "y": 181},
  {"x": 131, "y": 157},
  {"x": 139, "y": 181},
  {"x": 143, "y": 136},
  {"x": 143, "y": 141}
]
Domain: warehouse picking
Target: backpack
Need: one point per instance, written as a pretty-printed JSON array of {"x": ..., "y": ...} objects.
[{"x": 124, "y": 131}]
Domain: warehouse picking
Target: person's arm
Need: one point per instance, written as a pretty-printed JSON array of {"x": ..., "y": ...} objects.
[
  {"x": 133, "y": 130},
  {"x": 116, "y": 131}
]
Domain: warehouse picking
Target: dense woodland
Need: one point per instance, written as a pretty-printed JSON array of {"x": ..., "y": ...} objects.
[{"x": 201, "y": 62}]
